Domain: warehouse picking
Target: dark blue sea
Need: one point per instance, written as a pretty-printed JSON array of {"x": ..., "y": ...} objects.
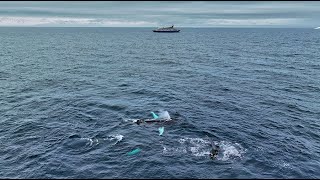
[{"x": 70, "y": 98}]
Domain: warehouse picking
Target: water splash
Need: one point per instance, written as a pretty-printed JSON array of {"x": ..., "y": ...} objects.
[
  {"x": 174, "y": 150},
  {"x": 282, "y": 165},
  {"x": 117, "y": 137},
  {"x": 195, "y": 146},
  {"x": 164, "y": 115},
  {"x": 230, "y": 151},
  {"x": 201, "y": 148},
  {"x": 130, "y": 120}
]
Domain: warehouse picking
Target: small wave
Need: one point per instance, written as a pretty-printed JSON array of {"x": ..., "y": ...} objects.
[
  {"x": 163, "y": 62},
  {"x": 4, "y": 75},
  {"x": 142, "y": 91},
  {"x": 113, "y": 107},
  {"x": 123, "y": 85},
  {"x": 282, "y": 165}
]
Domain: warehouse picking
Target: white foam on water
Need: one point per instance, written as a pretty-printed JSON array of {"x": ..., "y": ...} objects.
[
  {"x": 195, "y": 141},
  {"x": 283, "y": 164},
  {"x": 174, "y": 150},
  {"x": 230, "y": 151},
  {"x": 91, "y": 141},
  {"x": 196, "y": 146},
  {"x": 132, "y": 120},
  {"x": 199, "y": 151},
  {"x": 95, "y": 141},
  {"x": 118, "y": 138},
  {"x": 201, "y": 148},
  {"x": 198, "y": 141},
  {"x": 181, "y": 141}
]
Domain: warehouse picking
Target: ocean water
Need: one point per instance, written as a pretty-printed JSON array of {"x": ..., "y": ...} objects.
[{"x": 69, "y": 98}]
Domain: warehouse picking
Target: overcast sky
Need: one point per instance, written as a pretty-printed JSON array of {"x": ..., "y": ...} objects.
[{"x": 161, "y": 13}]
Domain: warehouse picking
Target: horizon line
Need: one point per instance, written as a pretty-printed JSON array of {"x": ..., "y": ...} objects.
[{"x": 293, "y": 27}]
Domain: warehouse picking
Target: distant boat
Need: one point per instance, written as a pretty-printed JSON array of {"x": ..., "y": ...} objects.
[
  {"x": 317, "y": 28},
  {"x": 170, "y": 29}
]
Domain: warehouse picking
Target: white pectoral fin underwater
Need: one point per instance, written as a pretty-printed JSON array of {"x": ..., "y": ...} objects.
[
  {"x": 133, "y": 152},
  {"x": 161, "y": 130}
]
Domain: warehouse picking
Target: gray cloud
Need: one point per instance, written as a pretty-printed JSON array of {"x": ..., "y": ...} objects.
[{"x": 148, "y": 13}]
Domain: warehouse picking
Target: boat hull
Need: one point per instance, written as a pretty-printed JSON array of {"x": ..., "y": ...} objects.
[{"x": 166, "y": 31}]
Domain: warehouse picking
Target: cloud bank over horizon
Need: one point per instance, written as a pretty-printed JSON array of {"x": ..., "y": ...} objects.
[{"x": 161, "y": 13}]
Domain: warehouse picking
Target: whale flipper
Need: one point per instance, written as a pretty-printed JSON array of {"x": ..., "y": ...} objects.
[
  {"x": 161, "y": 130},
  {"x": 154, "y": 115},
  {"x": 135, "y": 151}
]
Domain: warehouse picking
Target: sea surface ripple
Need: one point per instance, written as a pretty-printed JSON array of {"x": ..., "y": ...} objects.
[{"x": 68, "y": 96}]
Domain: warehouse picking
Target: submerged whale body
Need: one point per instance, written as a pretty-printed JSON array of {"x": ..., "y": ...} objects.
[
  {"x": 74, "y": 136},
  {"x": 161, "y": 117},
  {"x": 139, "y": 121}
]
